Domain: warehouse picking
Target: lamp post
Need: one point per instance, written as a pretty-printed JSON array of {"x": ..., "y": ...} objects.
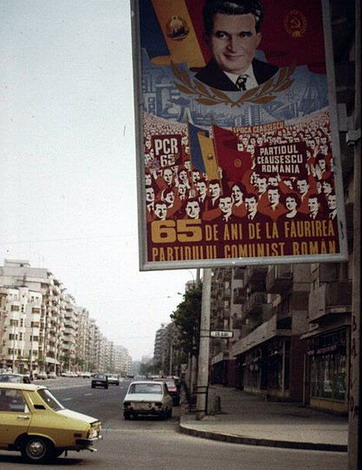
[{"x": 203, "y": 367}]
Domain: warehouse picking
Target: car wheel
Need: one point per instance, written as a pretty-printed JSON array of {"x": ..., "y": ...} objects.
[
  {"x": 37, "y": 449},
  {"x": 106, "y": 386},
  {"x": 93, "y": 386},
  {"x": 127, "y": 415}
]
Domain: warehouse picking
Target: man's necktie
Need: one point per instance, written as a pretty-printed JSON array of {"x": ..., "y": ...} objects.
[{"x": 241, "y": 81}]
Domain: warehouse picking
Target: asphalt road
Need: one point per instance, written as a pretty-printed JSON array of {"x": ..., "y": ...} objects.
[{"x": 149, "y": 443}]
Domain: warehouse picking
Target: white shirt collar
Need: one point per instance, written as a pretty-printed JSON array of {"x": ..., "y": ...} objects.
[{"x": 250, "y": 81}]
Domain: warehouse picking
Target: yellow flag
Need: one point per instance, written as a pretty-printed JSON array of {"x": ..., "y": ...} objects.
[
  {"x": 209, "y": 156},
  {"x": 179, "y": 34}
]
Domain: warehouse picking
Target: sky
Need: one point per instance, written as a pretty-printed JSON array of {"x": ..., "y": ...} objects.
[{"x": 68, "y": 162}]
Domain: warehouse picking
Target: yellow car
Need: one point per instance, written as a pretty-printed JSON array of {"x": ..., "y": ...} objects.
[{"x": 34, "y": 422}]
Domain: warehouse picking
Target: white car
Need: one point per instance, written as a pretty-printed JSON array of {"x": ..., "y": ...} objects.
[{"x": 147, "y": 397}]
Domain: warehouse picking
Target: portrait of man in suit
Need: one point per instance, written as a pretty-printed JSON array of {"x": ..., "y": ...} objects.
[{"x": 232, "y": 30}]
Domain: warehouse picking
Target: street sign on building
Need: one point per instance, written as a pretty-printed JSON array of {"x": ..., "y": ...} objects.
[
  {"x": 238, "y": 163},
  {"x": 221, "y": 334}
]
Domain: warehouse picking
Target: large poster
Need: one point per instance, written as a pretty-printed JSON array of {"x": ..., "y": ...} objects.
[{"x": 238, "y": 160}]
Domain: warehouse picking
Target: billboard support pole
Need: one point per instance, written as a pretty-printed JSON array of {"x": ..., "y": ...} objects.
[
  {"x": 355, "y": 397},
  {"x": 203, "y": 369}
]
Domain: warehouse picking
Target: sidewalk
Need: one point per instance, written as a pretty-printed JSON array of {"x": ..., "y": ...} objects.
[{"x": 248, "y": 419}]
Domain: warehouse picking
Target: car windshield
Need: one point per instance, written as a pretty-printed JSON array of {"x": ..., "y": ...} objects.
[
  {"x": 100, "y": 376},
  {"x": 50, "y": 400},
  {"x": 145, "y": 388}
]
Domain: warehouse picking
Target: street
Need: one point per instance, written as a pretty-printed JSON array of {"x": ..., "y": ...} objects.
[{"x": 151, "y": 443}]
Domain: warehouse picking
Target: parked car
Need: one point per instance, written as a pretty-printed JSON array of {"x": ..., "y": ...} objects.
[
  {"x": 99, "y": 380},
  {"x": 15, "y": 378},
  {"x": 173, "y": 390},
  {"x": 85, "y": 375},
  {"x": 147, "y": 398},
  {"x": 113, "y": 380},
  {"x": 42, "y": 376},
  {"x": 68, "y": 373},
  {"x": 33, "y": 422}
]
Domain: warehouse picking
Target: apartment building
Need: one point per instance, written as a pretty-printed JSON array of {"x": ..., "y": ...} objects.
[
  {"x": 160, "y": 346},
  {"x": 69, "y": 333},
  {"x": 41, "y": 327},
  {"x": 291, "y": 327},
  {"x": 122, "y": 361},
  {"x": 20, "y": 312},
  {"x": 17, "y": 274}
]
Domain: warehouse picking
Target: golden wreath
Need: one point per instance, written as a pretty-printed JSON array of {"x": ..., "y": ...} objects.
[{"x": 210, "y": 96}]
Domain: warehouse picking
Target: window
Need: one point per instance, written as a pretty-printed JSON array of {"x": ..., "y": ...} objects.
[
  {"x": 35, "y": 310},
  {"x": 329, "y": 366},
  {"x": 12, "y": 401},
  {"x": 50, "y": 400},
  {"x": 146, "y": 388},
  {"x": 15, "y": 308},
  {"x": 14, "y": 323}
]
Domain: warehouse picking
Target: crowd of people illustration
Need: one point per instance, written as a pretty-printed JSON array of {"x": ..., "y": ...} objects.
[{"x": 181, "y": 190}]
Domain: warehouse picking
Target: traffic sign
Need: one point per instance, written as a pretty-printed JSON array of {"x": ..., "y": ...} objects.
[{"x": 221, "y": 334}]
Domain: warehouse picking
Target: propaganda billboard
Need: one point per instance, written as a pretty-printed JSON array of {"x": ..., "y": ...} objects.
[{"x": 238, "y": 151}]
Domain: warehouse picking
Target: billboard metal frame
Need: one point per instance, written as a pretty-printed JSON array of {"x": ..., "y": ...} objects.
[{"x": 144, "y": 263}]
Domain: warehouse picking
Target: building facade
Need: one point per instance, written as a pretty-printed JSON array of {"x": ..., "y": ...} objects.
[{"x": 42, "y": 329}]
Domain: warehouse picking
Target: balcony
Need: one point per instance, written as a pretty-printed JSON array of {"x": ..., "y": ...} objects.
[
  {"x": 279, "y": 279},
  {"x": 330, "y": 299},
  {"x": 254, "y": 303},
  {"x": 223, "y": 274},
  {"x": 255, "y": 273},
  {"x": 226, "y": 293},
  {"x": 239, "y": 273},
  {"x": 239, "y": 295}
]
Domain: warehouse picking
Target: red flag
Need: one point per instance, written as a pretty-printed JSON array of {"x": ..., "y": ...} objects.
[{"x": 233, "y": 163}]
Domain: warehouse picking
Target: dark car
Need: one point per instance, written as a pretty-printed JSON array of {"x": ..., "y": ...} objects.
[
  {"x": 99, "y": 380},
  {"x": 15, "y": 378}
]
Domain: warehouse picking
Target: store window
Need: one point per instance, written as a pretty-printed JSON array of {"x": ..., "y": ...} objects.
[{"x": 328, "y": 367}]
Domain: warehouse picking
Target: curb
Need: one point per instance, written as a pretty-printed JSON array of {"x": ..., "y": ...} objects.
[{"x": 251, "y": 441}]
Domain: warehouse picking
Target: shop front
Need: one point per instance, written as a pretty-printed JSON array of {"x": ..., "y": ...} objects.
[{"x": 327, "y": 371}]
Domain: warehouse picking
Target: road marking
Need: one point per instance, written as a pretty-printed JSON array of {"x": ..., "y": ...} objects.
[
  {"x": 67, "y": 399},
  {"x": 88, "y": 394}
]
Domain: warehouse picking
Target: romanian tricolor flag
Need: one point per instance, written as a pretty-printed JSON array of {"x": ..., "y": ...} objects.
[
  {"x": 202, "y": 151},
  {"x": 209, "y": 157}
]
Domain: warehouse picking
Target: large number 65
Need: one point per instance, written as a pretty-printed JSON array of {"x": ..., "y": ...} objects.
[{"x": 170, "y": 231}]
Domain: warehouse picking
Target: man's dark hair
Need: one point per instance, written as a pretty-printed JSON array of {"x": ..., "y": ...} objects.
[{"x": 231, "y": 7}]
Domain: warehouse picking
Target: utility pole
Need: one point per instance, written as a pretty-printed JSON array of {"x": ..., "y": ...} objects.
[
  {"x": 203, "y": 369},
  {"x": 355, "y": 397}
]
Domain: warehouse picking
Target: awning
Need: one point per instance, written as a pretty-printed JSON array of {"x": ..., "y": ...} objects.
[{"x": 51, "y": 360}]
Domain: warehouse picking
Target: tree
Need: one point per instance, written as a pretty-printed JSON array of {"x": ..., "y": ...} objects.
[{"x": 187, "y": 318}]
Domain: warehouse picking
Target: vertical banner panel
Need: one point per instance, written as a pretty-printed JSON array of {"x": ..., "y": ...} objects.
[{"x": 236, "y": 160}]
